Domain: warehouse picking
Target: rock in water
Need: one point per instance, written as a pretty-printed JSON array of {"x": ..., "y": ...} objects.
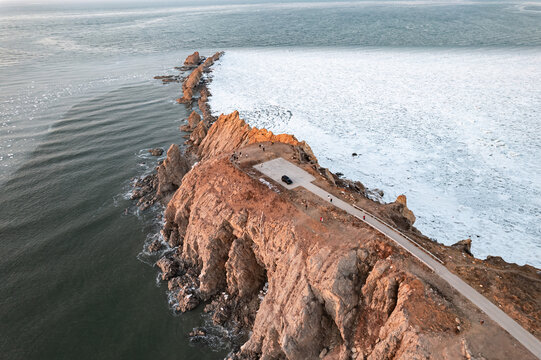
[
  {"x": 156, "y": 152},
  {"x": 407, "y": 213},
  {"x": 193, "y": 59},
  {"x": 193, "y": 121},
  {"x": 171, "y": 171},
  {"x": 168, "y": 267}
]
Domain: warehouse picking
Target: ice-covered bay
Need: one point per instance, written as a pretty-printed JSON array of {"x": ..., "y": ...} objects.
[{"x": 457, "y": 131}]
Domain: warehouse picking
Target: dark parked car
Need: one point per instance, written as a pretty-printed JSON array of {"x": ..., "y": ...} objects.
[{"x": 287, "y": 180}]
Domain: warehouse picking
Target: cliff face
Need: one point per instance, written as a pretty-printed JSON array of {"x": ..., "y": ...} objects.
[
  {"x": 325, "y": 290},
  {"x": 171, "y": 171},
  {"x": 230, "y": 133}
]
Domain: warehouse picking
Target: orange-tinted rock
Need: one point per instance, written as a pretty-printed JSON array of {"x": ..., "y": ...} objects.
[
  {"x": 407, "y": 213},
  {"x": 464, "y": 246},
  {"x": 156, "y": 151},
  {"x": 327, "y": 289},
  {"x": 212, "y": 59},
  {"x": 193, "y": 120},
  {"x": 230, "y": 133},
  {"x": 193, "y": 59},
  {"x": 171, "y": 171},
  {"x": 198, "y": 134},
  {"x": 189, "y": 84}
]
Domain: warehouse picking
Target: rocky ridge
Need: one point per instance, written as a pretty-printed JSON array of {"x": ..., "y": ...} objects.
[{"x": 301, "y": 289}]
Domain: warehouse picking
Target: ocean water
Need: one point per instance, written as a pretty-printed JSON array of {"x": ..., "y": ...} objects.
[{"x": 440, "y": 98}]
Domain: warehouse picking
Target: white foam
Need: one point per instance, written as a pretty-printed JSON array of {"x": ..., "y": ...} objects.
[{"x": 457, "y": 131}]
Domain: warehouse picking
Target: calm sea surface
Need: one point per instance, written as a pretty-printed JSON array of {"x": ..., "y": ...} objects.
[{"x": 79, "y": 109}]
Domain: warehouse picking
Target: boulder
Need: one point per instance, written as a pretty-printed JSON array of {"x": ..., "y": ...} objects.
[
  {"x": 193, "y": 120},
  {"x": 198, "y": 134},
  {"x": 464, "y": 246},
  {"x": 156, "y": 245},
  {"x": 193, "y": 59},
  {"x": 407, "y": 213},
  {"x": 168, "y": 267},
  {"x": 156, "y": 152},
  {"x": 187, "y": 300}
]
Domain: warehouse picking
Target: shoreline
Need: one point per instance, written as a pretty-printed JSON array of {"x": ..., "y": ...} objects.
[{"x": 211, "y": 144}]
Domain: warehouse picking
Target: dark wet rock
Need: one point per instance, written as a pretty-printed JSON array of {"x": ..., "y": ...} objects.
[
  {"x": 169, "y": 78},
  {"x": 174, "y": 238},
  {"x": 171, "y": 171},
  {"x": 221, "y": 315},
  {"x": 464, "y": 246},
  {"x": 136, "y": 194},
  {"x": 156, "y": 152},
  {"x": 187, "y": 299},
  {"x": 168, "y": 267},
  {"x": 198, "y": 332},
  {"x": 155, "y": 246},
  {"x": 193, "y": 120},
  {"x": 145, "y": 191},
  {"x": 161, "y": 77},
  {"x": 354, "y": 154}
]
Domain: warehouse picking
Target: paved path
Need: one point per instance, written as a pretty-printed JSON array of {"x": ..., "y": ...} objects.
[{"x": 277, "y": 167}]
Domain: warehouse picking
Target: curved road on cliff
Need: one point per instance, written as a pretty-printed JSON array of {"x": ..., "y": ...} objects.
[{"x": 275, "y": 168}]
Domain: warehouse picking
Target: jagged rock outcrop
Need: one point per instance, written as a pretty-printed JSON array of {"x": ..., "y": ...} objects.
[
  {"x": 193, "y": 80},
  {"x": 193, "y": 59},
  {"x": 157, "y": 187},
  {"x": 198, "y": 134},
  {"x": 193, "y": 120},
  {"x": 171, "y": 171},
  {"x": 230, "y": 133},
  {"x": 464, "y": 246},
  {"x": 204, "y": 107},
  {"x": 400, "y": 205},
  {"x": 156, "y": 151}
]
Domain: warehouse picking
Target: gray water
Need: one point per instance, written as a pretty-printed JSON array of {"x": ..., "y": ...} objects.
[{"x": 79, "y": 109}]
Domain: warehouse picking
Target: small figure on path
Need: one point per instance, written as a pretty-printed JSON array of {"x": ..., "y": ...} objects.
[
  {"x": 364, "y": 217},
  {"x": 321, "y": 219}
]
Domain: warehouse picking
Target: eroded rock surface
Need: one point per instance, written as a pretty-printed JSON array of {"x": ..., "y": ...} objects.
[
  {"x": 171, "y": 171},
  {"x": 193, "y": 59},
  {"x": 230, "y": 133},
  {"x": 193, "y": 81}
]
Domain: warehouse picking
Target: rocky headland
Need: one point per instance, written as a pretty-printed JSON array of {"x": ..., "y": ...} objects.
[{"x": 301, "y": 279}]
